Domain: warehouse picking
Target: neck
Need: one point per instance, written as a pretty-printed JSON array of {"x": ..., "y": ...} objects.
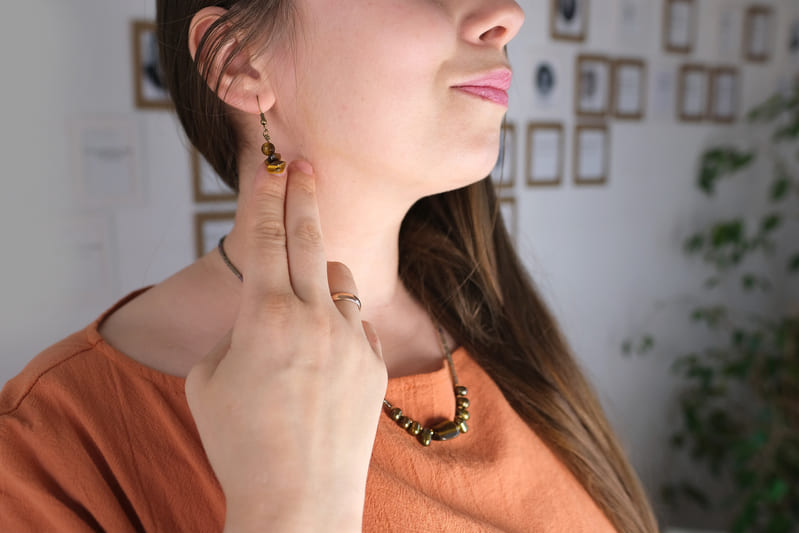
[{"x": 364, "y": 235}]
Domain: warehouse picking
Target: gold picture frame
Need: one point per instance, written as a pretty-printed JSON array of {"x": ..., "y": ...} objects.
[
  {"x": 206, "y": 185},
  {"x": 592, "y": 85},
  {"x": 634, "y": 74},
  {"x": 209, "y": 227},
  {"x": 149, "y": 89},
  {"x": 591, "y": 143},
  {"x": 507, "y": 155},
  {"x": 568, "y": 20},
  {"x": 533, "y": 172},
  {"x": 724, "y": 94},
  {"x": 679, "y": 26},
  {"x": 757, "y": 42},
  {"x": 693, "y": 93}
]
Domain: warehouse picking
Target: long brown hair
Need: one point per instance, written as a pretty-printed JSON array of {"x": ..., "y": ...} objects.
[{"x": 456, "y": 257}]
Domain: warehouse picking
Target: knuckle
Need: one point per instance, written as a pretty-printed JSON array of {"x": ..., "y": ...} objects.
[
  {"x": 270, "y": 311},
  {"x": 304, "y": 184},
  {"x": 308, "y": 230},
  {"x": 270, "y": 231},
  {"x": 276, "y": 305}
]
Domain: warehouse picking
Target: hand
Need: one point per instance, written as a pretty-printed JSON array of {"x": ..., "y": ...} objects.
[{"x": 287, "y": 404}]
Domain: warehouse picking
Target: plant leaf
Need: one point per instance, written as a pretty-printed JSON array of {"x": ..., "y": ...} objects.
[
  {"x": 793, "y": 263},
  {"x": 771, "y": 222}
]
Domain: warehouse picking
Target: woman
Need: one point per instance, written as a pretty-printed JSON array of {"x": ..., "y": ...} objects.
[{"x": 301, "y": 418}]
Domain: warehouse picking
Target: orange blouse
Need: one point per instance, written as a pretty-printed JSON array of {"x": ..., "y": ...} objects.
[{"x": 92, "y": 440}]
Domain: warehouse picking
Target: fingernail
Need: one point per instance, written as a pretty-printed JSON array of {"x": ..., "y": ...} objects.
[{"x": 303, "y": 166}]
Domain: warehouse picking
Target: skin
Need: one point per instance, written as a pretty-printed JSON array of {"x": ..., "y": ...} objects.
[{"x": 366, "y": 140}]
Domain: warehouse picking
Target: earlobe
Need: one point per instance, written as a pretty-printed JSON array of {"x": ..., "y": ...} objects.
[{"x": 240, "y": 81}]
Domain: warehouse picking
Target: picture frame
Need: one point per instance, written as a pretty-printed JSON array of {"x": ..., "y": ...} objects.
[
  {"x": 724, "y": 94},
  {"x": 793, "y": 38},
  {"x": 592, "y": 86},
  {"x": 591, "y": 154},
  {"x": 149, "y": 85},
  {"x": 679, "y": 26},
  {"x": 544, "y": 154},
  {"x": 568, "y": 20},
  {"x": 207, "y": 186},
  {"x": 508, "y": 206},
  {"x": 693, "y": 93},
  {"x": 504, "y": 176},
  {"x": 105, "y": 161},
  {"x": 209, "y": 227},
  {"x": 758, "y": 30},
  {"x": 628, "y": 89}
]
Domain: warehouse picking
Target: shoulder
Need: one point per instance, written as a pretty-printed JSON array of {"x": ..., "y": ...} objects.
[
  {"x": 58, "y": 361},
  {"x": 79, "y": 427}
]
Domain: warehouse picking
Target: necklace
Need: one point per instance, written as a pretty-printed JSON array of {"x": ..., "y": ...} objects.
[{"x": 446, "y": 430}]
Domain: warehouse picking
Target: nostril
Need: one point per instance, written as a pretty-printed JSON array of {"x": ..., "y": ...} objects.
[{"x": 494, "y": 33}]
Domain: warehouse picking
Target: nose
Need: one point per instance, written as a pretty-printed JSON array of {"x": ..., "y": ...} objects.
[{"x": 491, "y": 22}]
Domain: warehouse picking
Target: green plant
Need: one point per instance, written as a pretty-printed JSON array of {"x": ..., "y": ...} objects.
[{"x": 738, "y": 397}]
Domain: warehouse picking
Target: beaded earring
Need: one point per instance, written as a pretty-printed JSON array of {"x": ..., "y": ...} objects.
[{"x": 273, "y": 162}]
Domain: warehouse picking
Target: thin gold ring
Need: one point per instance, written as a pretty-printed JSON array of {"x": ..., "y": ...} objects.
[{"x": 346, "y": 297}]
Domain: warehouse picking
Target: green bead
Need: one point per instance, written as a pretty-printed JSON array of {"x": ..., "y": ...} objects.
[
  {"x": 462, "y": 426},
  {"x": 463, "y": 402},
  {"x": 395, "y": 414},
  {"x": 415, "y": 428},
  {"x": 463, "y": 414},
  {"x": 460, "y": 391},
  {"x": 445, "y": 430},
  {"x": 405, "y": 422}
]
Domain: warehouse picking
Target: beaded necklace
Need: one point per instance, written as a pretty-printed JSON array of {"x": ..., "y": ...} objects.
[{"x": 446, "y": 430}]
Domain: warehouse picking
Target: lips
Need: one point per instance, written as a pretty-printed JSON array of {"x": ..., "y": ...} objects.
[
  {"x": 498, "y": 79},
  {"x": 492, "y": 86},
  {"x": 487, "y": 93}
]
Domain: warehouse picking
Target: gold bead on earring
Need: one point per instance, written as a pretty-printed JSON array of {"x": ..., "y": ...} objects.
[{"x": 273, "y": 162}]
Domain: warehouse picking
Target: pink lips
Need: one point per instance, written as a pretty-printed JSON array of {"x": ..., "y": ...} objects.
[{"x": 493, "y": 86}]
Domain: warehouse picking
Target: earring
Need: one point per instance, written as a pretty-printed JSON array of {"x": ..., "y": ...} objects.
[{"x": 273, "y": 163}]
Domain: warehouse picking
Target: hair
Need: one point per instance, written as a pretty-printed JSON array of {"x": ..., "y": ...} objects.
[{"x": 456, "y": 258}]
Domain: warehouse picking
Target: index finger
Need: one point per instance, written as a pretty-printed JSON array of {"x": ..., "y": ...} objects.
[{"x": 266, "y": 259}]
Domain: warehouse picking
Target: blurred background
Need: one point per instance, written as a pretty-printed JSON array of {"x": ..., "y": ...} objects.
[{"x": 621, "y": 112}]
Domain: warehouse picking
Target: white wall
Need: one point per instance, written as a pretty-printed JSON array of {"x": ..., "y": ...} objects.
[{"x": 602, "y": 256}]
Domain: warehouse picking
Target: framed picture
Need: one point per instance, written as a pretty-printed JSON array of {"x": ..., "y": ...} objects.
[
  {"x": 207, "y": 185},
  {"x": 592, "y": 90},
  {"x": 679, "y": 26},
  {"x": 569, "y": 19},
  {"x": 510, "y": 215},
  {"x": 591, "y": 152},
  {"x": 209, "y": 228},
  {"x": 628, "y": 93},
  {"x": 723, "y": 94},
  {"x": 758, "y": 29},
  {"x": 544, "y": 154},
  {"x": 105, "y": 161},
  {"x": 692, "y": 93},
  {"x": 150, "y": 87},
  {"x": 503, "y": 174},
  {"x": 793, "y": 39}
]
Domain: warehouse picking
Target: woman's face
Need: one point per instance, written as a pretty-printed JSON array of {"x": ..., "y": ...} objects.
[{"x": 368, "y": 93}]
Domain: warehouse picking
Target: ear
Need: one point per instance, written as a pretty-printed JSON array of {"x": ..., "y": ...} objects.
[{"x": 241, "y": 81}]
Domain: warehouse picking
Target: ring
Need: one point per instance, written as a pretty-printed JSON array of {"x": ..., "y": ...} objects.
[{"x": 346, "y": 297}]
